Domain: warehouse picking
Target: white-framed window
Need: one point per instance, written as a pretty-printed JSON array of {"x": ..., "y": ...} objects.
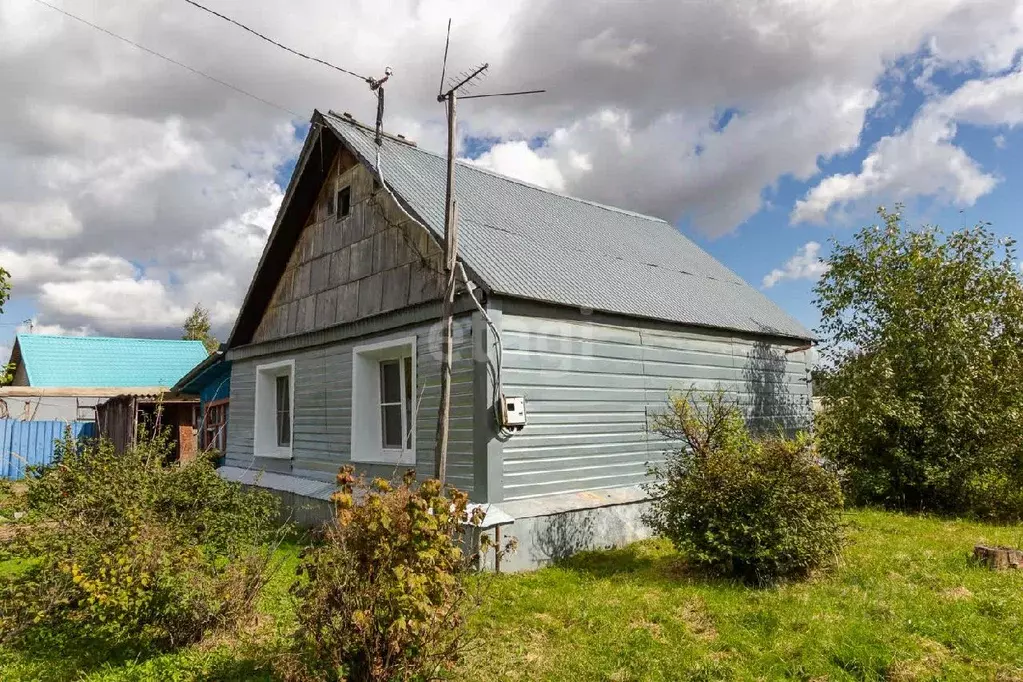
[
  {"x": 383, "y": 402},
  {"x": 275, "y": 409}
]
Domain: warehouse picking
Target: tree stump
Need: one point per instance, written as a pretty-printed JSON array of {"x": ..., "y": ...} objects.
[{"x": 998, "y": 558}]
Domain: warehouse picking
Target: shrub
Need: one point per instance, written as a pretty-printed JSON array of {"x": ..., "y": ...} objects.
[
  {"x": 757, "y": 509},
  {"x": 385, "y": 594},
  {"x": 923, "y": 359},
  {"x": 123, "y": 548}
]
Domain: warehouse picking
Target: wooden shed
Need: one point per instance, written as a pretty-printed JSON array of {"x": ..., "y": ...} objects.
[{"x": 123, "y": 417}]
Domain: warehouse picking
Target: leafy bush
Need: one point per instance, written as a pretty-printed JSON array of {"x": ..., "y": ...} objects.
[
  {"x": 386, "y": 591},
  {"x": 757, "y": 509},
  {"x": 124, "y": 548},
  {"x": 922, "y": 369}
]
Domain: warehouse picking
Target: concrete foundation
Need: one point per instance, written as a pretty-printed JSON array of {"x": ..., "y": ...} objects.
[
  {"x": 546, "y": 529},
  {"x": 550, "y": 529}
]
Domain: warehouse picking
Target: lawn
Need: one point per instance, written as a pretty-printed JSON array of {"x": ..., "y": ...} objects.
[{"x": 904, "y": 604}]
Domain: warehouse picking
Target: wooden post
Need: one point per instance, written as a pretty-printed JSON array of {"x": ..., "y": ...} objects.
[{"x": 450, "y": 254}]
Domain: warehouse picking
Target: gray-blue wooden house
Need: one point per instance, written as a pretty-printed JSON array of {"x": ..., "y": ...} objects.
[{"x": 596, "y": 311}]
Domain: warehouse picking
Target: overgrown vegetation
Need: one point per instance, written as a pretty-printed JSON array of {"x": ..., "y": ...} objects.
[
  {"x": 387, "y": 590},
  {"x": 922, "y": 369},
  {"x": 123, "y": 549},
  {"x": 197, "y": 328},
  {"x": 905, "y": 603},
  {"x": 756, "y": 508}
]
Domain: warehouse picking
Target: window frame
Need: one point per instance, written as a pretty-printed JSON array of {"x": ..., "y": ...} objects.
[
  {"x": 214, "y": 432},
  {"x": 344, "y": 193},
  {"x": 367, "y": 406},
  {"x": 264, "y": 431}
]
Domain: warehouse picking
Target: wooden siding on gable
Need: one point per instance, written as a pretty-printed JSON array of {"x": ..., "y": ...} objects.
[
  {"x": 372, "y": 261},
  {"x": 591, "y": 389},
  {"x": 323, "y": 408}
]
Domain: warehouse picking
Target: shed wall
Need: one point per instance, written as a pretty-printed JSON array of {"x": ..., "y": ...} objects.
[
  {"x": 591, "y": 389},
  {"x": 323, "y": 407}
]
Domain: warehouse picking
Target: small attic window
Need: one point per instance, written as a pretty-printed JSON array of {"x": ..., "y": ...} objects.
[{"x": 344, "y": 201}]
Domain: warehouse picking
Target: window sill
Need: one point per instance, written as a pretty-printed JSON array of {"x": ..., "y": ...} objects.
[
  {"x": 392, "y": 457},
  {"x": 280, "y": 453}
]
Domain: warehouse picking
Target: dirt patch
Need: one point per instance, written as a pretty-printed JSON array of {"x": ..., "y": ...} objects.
[
  {"x": 957, "y": 594},
  {"x": 926, "y": 667},
  {"x": 697, "y": 620},
  {"x": 655, "y": 630}
]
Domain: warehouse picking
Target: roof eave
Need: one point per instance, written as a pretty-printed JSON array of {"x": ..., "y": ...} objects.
[
  {"x": 315, "y": 134},
  {"x": 196, "y": 372},
  {"x": 773, "y": 333}
]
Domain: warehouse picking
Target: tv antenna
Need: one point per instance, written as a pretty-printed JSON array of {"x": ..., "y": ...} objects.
[{"x": 464, "y": 81}]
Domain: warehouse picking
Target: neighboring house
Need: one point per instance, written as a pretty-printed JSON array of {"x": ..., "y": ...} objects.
[
  {"x": 117, "y": 382},
  {"x": 210, "y": 380},
  {"x": 596, "y": 313}
]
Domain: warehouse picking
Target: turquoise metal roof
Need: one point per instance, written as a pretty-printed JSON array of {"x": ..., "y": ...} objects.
[{"x": 97, "y": 361}]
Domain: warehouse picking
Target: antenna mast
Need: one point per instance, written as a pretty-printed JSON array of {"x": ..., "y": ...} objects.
[{"x": 465, "y": 80}]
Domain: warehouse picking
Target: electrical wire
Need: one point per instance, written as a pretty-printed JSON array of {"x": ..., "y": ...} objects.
[
  {"x": 499, "y": 347},
  {"x": 167, "y": 59},
  {"x": 278, "y": 44},
  {"x": 498, "y": 386}
]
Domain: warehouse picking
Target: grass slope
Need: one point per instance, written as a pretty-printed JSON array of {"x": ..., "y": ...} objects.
[{"x": 904, "y": 604}]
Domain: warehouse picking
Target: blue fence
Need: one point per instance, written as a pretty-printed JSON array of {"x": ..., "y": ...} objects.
[{"x": 24, "y": 443}]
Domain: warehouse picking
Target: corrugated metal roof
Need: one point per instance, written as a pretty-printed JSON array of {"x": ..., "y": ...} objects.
[
  {"x": 532, "y": 243},
  {"x": 96, "y": 361}
]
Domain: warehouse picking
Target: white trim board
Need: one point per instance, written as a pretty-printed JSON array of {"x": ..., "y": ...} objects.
[{"x": 318, "y": 490}]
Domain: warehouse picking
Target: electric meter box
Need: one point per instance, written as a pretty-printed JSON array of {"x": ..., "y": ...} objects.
[{"x": 513, "y": 412}]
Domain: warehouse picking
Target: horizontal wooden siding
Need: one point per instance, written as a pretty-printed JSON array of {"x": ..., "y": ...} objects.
[
  {"x": 323, "y": 408},
  {"x": 591, "y": 388}
]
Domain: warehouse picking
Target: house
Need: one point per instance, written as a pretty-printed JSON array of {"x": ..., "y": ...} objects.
[
  {"x": 116, "y": 382},
  {"x": 588, "y": 313},
  {"x": 210, "y": 380}
]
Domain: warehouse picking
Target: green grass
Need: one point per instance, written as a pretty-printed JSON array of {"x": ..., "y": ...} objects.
[{"x": 904, "y": 604}]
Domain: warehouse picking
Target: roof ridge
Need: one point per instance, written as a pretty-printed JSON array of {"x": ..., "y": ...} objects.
[
  {"x": 102, "y": 338},
  {"x": 468, "y": 164}
]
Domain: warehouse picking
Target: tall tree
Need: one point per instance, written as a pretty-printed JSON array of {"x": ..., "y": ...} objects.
[
  {"x": 197, "y": 328},
  {"x": 5, "y": 293},
  {"x": 923, "y": 367}
]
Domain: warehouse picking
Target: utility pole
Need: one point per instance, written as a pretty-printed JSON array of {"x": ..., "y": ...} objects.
[{"x": 450, "y": 98}]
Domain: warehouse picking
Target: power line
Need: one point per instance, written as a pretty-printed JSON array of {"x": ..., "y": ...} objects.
[
  {"x": 274, "y": 42},
  {"x": 167, "y": 59}
]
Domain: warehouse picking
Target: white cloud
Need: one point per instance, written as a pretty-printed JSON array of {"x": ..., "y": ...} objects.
[
  {"x": 32, "y": 268},
  {"x": 805, "y": 264},
  {"x": 515, "y": 159},
  {"x": 607, "y": 49},
  {"x": 169, "y": 182},
  {"x": 999, "y": 141},
  {"x": 121, "y": 304},
  {"x": 924, "y": 159},
  {"x": 33, "y": 326},
  {"x": 47, "y": 219}
]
